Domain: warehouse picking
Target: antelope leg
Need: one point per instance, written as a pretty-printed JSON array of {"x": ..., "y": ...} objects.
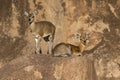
[
  {"x": 50, "y": 42},
  {"x": 37, "y": 45}
]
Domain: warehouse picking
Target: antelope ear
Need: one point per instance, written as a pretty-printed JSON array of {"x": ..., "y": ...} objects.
[
  {"x": 88, "y": 36},
  {"x": 26, "y": 13},
  {"x": 77, "y": 36},
  {"x": 35, "y": 12}
]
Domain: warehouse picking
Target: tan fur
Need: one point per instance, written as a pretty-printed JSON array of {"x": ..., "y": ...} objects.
[
  {"x": 41, "y": 29},
  {"x": 66, "y": 49}
]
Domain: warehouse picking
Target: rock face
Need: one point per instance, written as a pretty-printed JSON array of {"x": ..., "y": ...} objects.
[
  {"x": 44, "y": 67},
  {"x": 100, "y": 18}
]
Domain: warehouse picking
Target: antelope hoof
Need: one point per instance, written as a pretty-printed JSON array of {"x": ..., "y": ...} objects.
[
  {"x": 80, "y": 55},
  {"x": 38, "y": 52},
  {"x": 48, "y": 53}
]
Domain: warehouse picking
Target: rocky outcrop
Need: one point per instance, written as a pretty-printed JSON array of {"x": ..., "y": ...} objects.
[
  {"x": 44, "y": 67},
  {"x": 100, "y": 18}
]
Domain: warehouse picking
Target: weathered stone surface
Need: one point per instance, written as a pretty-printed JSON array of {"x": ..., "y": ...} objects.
[
  {"x": 100, "y": 18},
  {"x": 44, "y": 67}
]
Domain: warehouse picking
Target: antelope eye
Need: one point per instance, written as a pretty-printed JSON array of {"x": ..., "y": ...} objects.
[{"x": 29, "y": 19}]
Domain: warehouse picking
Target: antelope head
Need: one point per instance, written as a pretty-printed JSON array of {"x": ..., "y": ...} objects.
[
  {"x": 31, "y": 16},
  {"x": 84, "y": 39}
]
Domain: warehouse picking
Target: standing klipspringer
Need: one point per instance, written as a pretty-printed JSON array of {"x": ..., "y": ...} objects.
[{"x": 41, "y": 30}]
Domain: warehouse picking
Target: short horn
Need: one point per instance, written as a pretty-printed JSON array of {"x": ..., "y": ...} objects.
[{"x": 35, "y": 12}]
